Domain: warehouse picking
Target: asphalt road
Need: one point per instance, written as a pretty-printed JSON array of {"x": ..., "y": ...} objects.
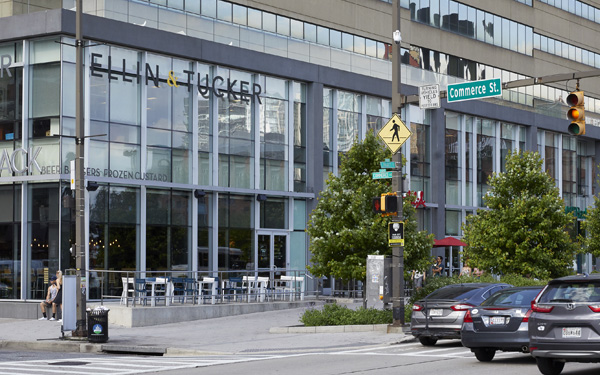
[{"x": 448, "y": 358}]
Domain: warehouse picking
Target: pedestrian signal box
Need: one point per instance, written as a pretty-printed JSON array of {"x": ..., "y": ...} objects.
[{"x": 386, "y": 203}]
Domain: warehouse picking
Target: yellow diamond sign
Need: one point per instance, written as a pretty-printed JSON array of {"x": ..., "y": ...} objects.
[{"x": 394, "y": 133}]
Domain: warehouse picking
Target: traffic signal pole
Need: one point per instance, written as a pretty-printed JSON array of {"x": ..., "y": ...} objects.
[{"x": 397, "y": 251}]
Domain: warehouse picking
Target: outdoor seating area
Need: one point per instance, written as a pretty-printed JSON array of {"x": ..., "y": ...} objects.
[{"x": 167, "y": 289}]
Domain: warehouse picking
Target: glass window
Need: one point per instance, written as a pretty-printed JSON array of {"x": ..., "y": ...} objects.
[
  {"x": 359, "y": 45},
  {"x": 224, "y": 11},
  {"x": 283, "y": 26},
  {"x": 43, "y": 51},
  {"x": 192, "y": 7},
  {"x": 254, "y": 18},
  {"x": 240, "y": 15},
  {"x": 44, "y": 96},
  {"x": 453, "y": 10},
  {"x": 124, "y": 133},
  {"x": 297, "y": 29},
  {"x": 348, "y": 42},
  {"x": 310, "y": 32},
  {"x": 335, "y": 39},
  {"x": 209, "y": 8},
  {"x": 269, "y": 22},
  {"x": 481, "y": 26},
  {"x": 323, "y": 35},
  {"x": 444, "y": 15},
  {"x": 371, "y": 47}
]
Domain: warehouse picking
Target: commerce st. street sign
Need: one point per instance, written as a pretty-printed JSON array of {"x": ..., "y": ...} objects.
[
  {"x": 474, "y": 90},
  {"x": 382, "y": 174}
]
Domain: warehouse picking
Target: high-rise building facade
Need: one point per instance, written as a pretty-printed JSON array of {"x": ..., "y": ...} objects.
[{"x": 212, "y": 125}]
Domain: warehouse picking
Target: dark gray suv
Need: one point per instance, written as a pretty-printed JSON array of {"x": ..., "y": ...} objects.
[{"x": 565, "y": 323}]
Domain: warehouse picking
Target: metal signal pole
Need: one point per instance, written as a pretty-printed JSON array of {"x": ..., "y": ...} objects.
[
  {"x": 397, "y": 251},
  {"x": 80, "y": 239}
]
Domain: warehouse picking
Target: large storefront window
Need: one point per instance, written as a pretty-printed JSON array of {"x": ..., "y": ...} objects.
[
  {"x": 44, "y": 100},
  {"x": 205, "y": 133},
  {"x": 273, "y": 136},
  {"x": 11, "y": 93},
  {"x": 299, "y": 137},
  {"x": 114, "y": 111},
  {"x": 236, "y": 251},
  {"x": 10, "y": 246},
  {"x": 205, "y": 219},
  {"x": 236, "y": 138},
  {"x": 43, "y": 237},
  {"x": 169, "y": 121},
  {"x": 114, "y": 234},
  {"x": 168, "y": 232}
]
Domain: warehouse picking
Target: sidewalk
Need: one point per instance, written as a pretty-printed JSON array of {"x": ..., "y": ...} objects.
[{"x": 249, "y": 333}]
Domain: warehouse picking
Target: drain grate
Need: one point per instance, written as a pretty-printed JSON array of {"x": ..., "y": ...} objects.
[{"x": 69, "y": 363}]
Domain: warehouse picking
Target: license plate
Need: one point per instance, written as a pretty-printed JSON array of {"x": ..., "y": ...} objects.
[
  {"x": 436, "y": 312},
  {"x": 495, "y": 320},
  {"x": 571, "y": 332}
]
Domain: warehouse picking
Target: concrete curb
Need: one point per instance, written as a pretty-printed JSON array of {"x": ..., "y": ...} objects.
[
  {"x": 52, "y": 346},
  {"x": 385, "y": 328}
]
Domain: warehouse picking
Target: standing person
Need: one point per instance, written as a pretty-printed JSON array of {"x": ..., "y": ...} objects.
[
  {"x": 58, "y": 299},
  {"x": 418, "y": 277},
  {"x": 438, "y": 267},
  {"x": 50, "y": 296}
]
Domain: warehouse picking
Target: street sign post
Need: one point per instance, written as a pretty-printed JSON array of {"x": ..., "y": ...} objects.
[
  {"x": 394, "y": 133},
  {"x": 429, "y": 96},
  {"x": 474, "y": 90}
]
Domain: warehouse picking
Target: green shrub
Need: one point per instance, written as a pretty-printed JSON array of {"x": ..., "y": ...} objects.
[{"x": 333, "y": 315}]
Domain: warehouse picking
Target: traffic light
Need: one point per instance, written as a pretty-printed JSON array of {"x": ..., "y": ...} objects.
[
  {"x": 576, "y": 113},
  {"x": 386, "y": 204}
]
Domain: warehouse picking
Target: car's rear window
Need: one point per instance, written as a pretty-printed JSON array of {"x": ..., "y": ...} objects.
[
  {"x": 458, "y": 292},
  {"x": 512, "y": 297},
  {"x": 572, "y": 292}
]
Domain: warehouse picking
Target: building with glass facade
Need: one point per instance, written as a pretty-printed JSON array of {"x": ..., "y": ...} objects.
[{"x": 212, "y": 125}]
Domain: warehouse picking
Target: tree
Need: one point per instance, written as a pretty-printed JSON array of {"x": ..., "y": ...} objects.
[
  {"x": 591, "y": 226},
  {"x": 525, "y": 229},
  {"x": 343, "y": 229}
]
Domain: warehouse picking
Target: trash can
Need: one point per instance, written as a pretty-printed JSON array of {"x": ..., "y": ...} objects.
[{"x": 97, "y": 322}]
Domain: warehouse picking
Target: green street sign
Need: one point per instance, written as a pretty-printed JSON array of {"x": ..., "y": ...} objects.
[
  {"x": 382, "y": 174},
  {"x": 474, "y": 90},
  {"x": 387, "y": 164}
]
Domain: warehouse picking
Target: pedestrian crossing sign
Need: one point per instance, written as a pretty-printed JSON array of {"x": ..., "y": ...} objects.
[{"x": 394, "y": 133}]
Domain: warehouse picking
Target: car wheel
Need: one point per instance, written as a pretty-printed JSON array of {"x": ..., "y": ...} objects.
[
  {"x": 427, "y": 341},
  {"x": 549, "y": 366},
  {"x": 484, "y": 354}
]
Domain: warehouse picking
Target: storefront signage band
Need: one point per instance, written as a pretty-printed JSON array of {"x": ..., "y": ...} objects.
[
  {"x": 5, "y": 63},
  {"x": 23, "y": 161},
  {"x": 244, "y": 90}
]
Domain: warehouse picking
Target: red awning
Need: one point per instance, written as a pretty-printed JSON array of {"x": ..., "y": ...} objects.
[{"x": 448, "y": 241}]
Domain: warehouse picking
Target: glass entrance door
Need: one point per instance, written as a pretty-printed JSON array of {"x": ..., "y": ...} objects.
[{"x": 272, "y": 250}]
